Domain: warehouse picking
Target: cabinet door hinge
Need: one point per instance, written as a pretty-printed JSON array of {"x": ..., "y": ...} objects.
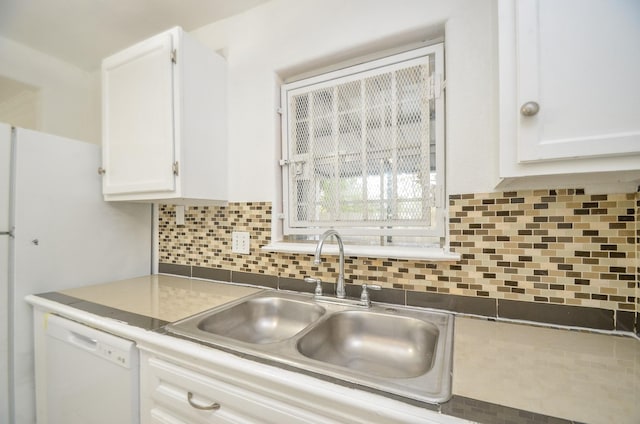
[
  {"x": 101, "y": 171},
  {"x": 176, "y": 168},
  {"x": 174, "y": 56}
]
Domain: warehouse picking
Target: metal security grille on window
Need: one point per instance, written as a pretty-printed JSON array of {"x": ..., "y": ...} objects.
[{"x": 362, "y": 151}]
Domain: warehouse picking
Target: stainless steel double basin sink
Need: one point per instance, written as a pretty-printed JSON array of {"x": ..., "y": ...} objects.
[{"x": 397, "y": 350}]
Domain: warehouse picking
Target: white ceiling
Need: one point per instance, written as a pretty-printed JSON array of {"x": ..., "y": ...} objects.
[{"x": 82, "y": 32}]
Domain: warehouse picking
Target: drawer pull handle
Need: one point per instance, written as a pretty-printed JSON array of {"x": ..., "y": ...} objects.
[{"x": 214, "y": 406}]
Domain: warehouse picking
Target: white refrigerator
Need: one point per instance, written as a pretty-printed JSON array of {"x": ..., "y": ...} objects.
[{"x": 56, "y": 232}]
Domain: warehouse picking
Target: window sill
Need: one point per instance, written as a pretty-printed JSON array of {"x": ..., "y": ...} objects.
[{"x": 415, "y": 253}]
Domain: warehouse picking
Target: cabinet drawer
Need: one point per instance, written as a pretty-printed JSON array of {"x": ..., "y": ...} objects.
[{"x": 178, "y": 393}]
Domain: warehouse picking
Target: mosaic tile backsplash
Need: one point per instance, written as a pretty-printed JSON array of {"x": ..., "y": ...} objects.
[{"x": 560, "y": 247}]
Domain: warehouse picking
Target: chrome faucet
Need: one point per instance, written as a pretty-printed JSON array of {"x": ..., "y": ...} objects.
[{"x": 340, "y": 291}]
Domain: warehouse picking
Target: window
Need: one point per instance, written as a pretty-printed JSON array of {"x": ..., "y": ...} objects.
[{"x": 363, "y": 152}]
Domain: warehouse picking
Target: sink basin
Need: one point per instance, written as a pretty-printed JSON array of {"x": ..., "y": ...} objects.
[
  {"x": 400, "y": 350},
  {"x": 371, "y": 343},
  {"x": 261, "y": 320}
]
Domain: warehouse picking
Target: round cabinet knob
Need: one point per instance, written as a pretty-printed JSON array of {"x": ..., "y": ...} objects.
[{"x": 529, "y": 109}]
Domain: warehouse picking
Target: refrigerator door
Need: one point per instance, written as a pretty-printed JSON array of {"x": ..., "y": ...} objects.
[
  {"x": 65, "y": 236},
  {"x": 5, "y": 173},
  {"x": 5, "y": 166}
]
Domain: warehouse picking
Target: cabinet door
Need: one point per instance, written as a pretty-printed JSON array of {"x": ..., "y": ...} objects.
[
  {"x": 172, "y": 394},
  {"x": 138, "y": 118},
  {"x": 579, "y": 60}
]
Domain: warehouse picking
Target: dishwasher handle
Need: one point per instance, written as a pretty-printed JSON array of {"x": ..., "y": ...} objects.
[
  {"x": 83, "y": 341},
  {"x": 107, "y": 346}
]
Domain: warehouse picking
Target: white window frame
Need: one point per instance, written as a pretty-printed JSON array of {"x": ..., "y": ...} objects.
[{"x": 439, "y": 226}]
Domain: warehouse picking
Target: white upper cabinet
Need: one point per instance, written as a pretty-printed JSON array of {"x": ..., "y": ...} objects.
[
  {"x": 569, "y": 86},
  {"x": 164, "y": 122}
]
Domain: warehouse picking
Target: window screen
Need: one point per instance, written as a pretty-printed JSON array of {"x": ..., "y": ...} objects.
[{"x": 361, "y": 149}]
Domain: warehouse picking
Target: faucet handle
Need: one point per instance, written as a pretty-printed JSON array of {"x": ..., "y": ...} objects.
[
  {"x": 364, "y": 297},
  {"x": 317, "y": 282}
]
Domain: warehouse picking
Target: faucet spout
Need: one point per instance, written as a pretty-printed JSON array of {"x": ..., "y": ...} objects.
[{"x": 340, "y": 290}]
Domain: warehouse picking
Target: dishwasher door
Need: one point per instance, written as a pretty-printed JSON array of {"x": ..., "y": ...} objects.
[{"x": 92, "y": 376}]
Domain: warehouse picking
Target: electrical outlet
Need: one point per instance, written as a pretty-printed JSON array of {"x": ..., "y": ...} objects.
[{"x": 240, "y": 242}]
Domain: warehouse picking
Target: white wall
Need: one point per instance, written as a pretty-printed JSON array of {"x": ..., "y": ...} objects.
[
  {"x": 69, "y": 96},
  {"x": 21, "y": 110},
  {"x": 283, "y": 38},
  {"x": 286, "y": 37}
]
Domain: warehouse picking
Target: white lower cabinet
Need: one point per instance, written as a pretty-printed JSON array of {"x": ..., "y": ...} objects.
[
  {"x": 193, "y": 384},
  {"x": 175, "y": 395}
]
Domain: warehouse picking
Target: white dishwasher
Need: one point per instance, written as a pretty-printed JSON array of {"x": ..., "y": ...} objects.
[{"x": 91, "y": 376}]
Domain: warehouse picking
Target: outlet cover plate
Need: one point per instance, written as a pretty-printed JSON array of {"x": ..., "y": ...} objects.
[{"x": 240, "y": 242}]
